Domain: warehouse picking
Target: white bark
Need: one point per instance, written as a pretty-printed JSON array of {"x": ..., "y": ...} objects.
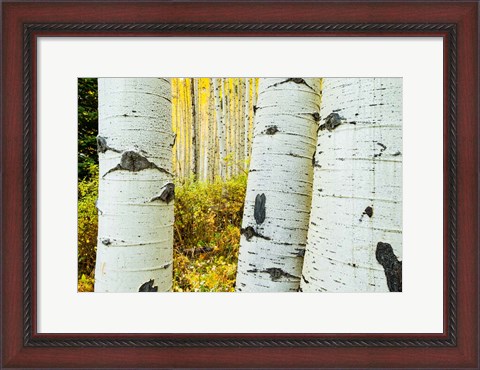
[
  {"x": 357, "y": 196},
  {"x": 135, "y": 226},
  {"x": 217, "y": 82},
  {"x": 246, "y": 118},
  {"x": 279, "y": 188}
]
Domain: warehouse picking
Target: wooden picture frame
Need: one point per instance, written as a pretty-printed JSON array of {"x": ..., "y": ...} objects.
[{"x": 23, "y": 22}]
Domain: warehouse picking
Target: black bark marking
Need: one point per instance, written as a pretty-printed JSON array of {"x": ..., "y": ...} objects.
[
  {"x": 134, "y": 162},
  {"x": 102, "y": 145},
  {"x": 305, "y": 280},
  {"x": 167, "y": 193},
  {"x": 148, "y": 287},
  {"x": 396, "y": 154},
  {"x": 383, "y": 148},
  {"x": 313, "y": 159},
  {"x": 300, "y": 289},
  {"x": 300, "y": 252},
  {"x": 295, "y": 155},
  {"x": 332, "y": 121},
  {"x": 106, "y": 241},
  {"x": 316, "y": 116},
  {"x": 255, "y": 109},
  {"x": 277, "y": 273},
  {"x": 368, "y": 211},
  {"x": 271, "y": 130},
  {"x": 353, "y": 123},
  {"x": 299, "y": 81},
  {"x": 259, "y": 212},
  {"x": 174, "y": 140},
  {"x": 391, "y": 265},
  {"x": 250, "y": 232}
]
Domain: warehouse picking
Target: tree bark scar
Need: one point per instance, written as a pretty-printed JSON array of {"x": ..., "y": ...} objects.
[
  {"x": 250, "y": 232},
  {"x": 135, "y": 162},
  {"x": 383, "y": 148},
  {"x": 391, "y": 265},
  {"x": 271, "y": 130},
  {"x": 300, "y": 252},
  {"x": 106, "y": 241},
  {"x": 368, "y": 211},
  {"x": 167, "y": 193},
  {"x": 102, "y": 145},
  {"x": 332, "y": 121},
  {"x": 277, "y": 273},
  {"x": 299, "y": 81},
  {"x": 174, "y": 140},
  {"x": 259, "y": 211},
  {"x": 316, "y": 116},
  {"x": 148, "y": 287}
]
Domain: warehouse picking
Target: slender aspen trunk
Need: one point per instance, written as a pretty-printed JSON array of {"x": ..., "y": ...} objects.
[
  {"x": 240, "y": 125},
  {"x": 187, "y": 129},
  {"x": 212, "y": 151},
  {"x": 246, "y": 119},
  {"x": 135, "y": 204},
  {"x": 279, "y": 188},
  {"x": 220, "y": 126},
  {"x": 355, "y": 234},
  {"x": 227, "y": 124},
  {"x": 195, "y": 127}
]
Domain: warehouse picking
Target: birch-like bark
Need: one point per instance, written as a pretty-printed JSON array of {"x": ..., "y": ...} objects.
[
  {"x": 240, "y": 125},
  {"x": 246, "y": 119},
  {"x": 217, "y": 83},
  {"x": 355, "y": 234},
  {"x": 279, "y": 188},
  {"x": 212, "y": 137},
  {"x": 135, "y": 204},
  {"x": 195, "y": 153}
]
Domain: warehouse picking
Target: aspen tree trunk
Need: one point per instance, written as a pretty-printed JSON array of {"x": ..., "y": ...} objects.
[
  {"x": 220, "y": 126},
  {"x": 227, "y": 124},
  {"x": 135, "y": 204},
  {"x": 279, "y": 188},
  {"x": 195, "y": 127},
  {"x": 240, "y": 125},
  {"x": 355, "y": 234},
  {"x": 186, "y": 129},
  {"x": 246, "y": 118},
  {"x": 212, "y": 149}
]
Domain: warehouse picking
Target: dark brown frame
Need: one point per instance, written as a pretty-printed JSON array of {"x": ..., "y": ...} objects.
[{"x": 456, "y": 22}]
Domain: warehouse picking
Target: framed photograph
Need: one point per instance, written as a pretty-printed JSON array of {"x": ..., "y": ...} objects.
[{"x": 379, "y": 270}]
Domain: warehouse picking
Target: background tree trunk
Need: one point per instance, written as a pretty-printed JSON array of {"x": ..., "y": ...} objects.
[
  {"x": 135, "y": 206},
  {"x": 220, "y": 118},
  {"x": 279, "y": 188},
  {"x": 357, "y": 199}
]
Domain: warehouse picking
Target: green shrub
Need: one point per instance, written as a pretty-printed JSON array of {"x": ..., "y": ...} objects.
[
  {"x": 207, "y": 234},
  {"x": 87, "y": 223}
]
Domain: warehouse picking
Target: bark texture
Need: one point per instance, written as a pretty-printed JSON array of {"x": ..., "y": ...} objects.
[
  {"x": 279, "y": 188},
  {"x": 135, "y": 205},
  {"x": 355, "y": 233}
]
